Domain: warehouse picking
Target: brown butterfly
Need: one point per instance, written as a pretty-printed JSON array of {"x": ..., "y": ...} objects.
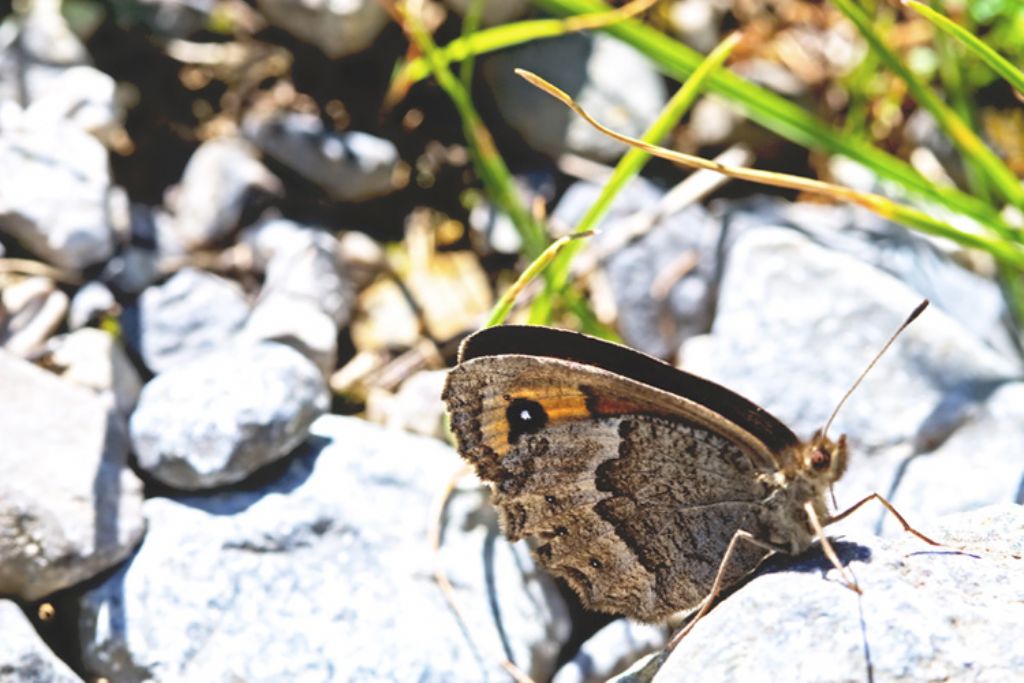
[{"x": 637, "y": 482}]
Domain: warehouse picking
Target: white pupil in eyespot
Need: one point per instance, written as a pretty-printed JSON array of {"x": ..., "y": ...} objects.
[{"x": 525, "y": 415}]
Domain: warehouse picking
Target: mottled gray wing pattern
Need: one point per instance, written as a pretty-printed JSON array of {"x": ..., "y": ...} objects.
[{"x": 629, "y": 493}]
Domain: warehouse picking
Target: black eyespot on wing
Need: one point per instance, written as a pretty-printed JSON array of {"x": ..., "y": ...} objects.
[
  {"x": 550, "y": 500},
  {"x": 546, "y": 342},
  {"x": 524, "y": 417},
  {"x": 595, "y": 563},
  {"x": 561, "y": 531}
]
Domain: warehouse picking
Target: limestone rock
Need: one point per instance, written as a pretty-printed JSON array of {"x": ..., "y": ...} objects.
[
  {"x": 191, "y": 313},
  {"x": 925, "y": 613},
  {"x": 24, "y": 657},
  {"x": 222, "y": 416},
  {"x": 69, "y": 506},
  {"x": 607, "y": 77},
  {"x": 325, "y": 574}
]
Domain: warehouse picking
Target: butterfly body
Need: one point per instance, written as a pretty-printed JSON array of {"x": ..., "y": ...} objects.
[{"x": 629, "y": 476}]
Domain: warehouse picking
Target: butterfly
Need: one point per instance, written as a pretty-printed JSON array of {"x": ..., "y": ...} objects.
[{"x": 646, "y": 488}]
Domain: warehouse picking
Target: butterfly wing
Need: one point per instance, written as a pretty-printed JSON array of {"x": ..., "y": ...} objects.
[
  {"x": 631, "y": 493},
  {"x": 547, "y": 342}
]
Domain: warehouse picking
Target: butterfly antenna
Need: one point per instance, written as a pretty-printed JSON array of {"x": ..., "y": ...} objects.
[{"x": 910, "y": 318}]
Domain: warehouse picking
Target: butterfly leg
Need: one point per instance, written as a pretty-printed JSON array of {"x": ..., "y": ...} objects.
[
  {"x": 888, "y": 506},
  {"x": 826, "y": 547},
  {"x": 830, "y": 552},
  {"x": 716, "y": 586}
]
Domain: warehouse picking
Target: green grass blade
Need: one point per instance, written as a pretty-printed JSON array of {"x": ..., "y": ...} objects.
[
  {"x": 504, "y": 306},
  {"x": 1008, "y": 252},
  {"x": 782, "y": 116},
  {"x": 470, "y": 25},
  {"x": 492, "y": 169},
  {"x": 965, "y": 139},
  {"x": 951, "y": 72},
  {"x": 628, "y": 167},
  {"x": 634, "y": 160},
  {"x": 1010, "y": 73},
  {"x": 482, "y": 42}
]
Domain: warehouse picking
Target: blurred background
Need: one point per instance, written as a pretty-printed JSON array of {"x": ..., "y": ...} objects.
[{"x": 225, "y": 224}]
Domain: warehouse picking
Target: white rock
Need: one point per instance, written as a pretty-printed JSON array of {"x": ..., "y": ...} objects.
[
  {"x": 302, "y": 262},
  {"x": 416, "y": 406},
  {"x": 925, "y": 613},
  {"x": 69, "y": 506},
  {"x": 34, "y": 309},
  {"x": 337, "y": 27},
  {"x": 298, "y": 322},
  {"x": 351, "y": 166},
  {"x": 797, "y": 323},
  {"x": 977, "y": 302},
  {"x": 610, "y": 79},
  {"x": 35, "y": 49},
  {"x": 362, "y": 256},
  {"x": 611, "y": 650},
  {"x": 655, "y": 324},
  {"x": 90, "y": 303},
  {"x": 190, "y": 314},
  {"x": 94, "y": 359},
  {"x": 979, "y": 464},
  {"x": 23, "y": 654},
  {"x": 696, "y": 22},
  {"x": 82, "y": 95},
  {"x": 55, "y": 197},
  {"x": 222, "y": 416},
  {"x": 493, "y": 11},
  {"x": 218, "y": 179},
  {"x": 325, "y": 574}
]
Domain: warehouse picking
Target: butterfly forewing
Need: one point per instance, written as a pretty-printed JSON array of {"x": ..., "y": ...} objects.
[{"x": 624, "y": 488}]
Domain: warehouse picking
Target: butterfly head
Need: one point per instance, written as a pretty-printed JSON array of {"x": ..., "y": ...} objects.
[{"x": 823, "y": 459}]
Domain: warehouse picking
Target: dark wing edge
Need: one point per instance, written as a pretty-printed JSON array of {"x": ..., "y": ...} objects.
[{"x": 546, "y": 341}]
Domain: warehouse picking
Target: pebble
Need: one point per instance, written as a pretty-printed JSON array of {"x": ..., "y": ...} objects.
[
  {"x": 302, "y": 262},
  {"x": 924, "y": 613},
  {"x": 56, "y": 195},
  {"x": 663, "y": 283},
  {"x": 978, "y": 464},
  {"x": 36, "y": 47},
  {"x": 24, "y": 656},
  {"x": 493, "y": 11},
  {"x": 493, "y": 229},
  {"x": 337, "y": 28},
  {"x": 69, "y": 506},
  {"x": 299, "y": 323},
  {"x": 795, "y": 325},
  {"x": 976, "y": 301},
  {"x": 416, "y": 407},
  {"x": 306, "y": 296},
  {"x": 177, "y": 18},
  {"x": 96, "y": 360},
  {"x": 190, "y": 314},
  {"x": 217, "y": 419},
  {"x": 81, "y": 95},
  {"x": 611, "y": 80},
  {"x": 34, "y": 309},
  {"x": 325, "y": 574},
  {"x": 351, "y": 166},
  {"x": 216, "y": 186},
  {"x": 90, "y": 304},
  {"x": 611, "y": 650},
  {"x": 362, "y": 257},
  {"x": 696, "y": 23}
]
